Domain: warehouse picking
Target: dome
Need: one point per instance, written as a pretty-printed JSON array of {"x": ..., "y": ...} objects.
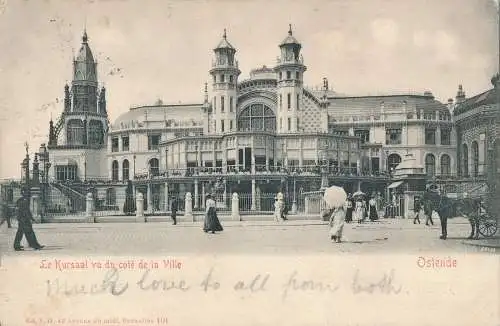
[
  {"x": 290, "y": 39},
  {"x": 136, "y": 116},
  {"x": 224, "y": 43}
]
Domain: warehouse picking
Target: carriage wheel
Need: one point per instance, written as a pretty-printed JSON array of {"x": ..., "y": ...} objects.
[{"x": 488, "y": 226}]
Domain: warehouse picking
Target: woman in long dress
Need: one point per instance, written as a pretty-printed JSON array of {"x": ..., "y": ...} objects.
[
  {"x": 349, "y": 209},
  {"x": 337, "y": 219},
  {"x": 212, "y": 223},
  {"x": 358, "y": 211},
  {"x": 373, "y": 209}
]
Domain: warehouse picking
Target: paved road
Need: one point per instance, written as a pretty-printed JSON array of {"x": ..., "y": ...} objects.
[{"x": 387, "y": 236}]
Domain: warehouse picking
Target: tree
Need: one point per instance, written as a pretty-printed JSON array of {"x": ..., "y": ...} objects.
[{"x": 129, "y": 206}]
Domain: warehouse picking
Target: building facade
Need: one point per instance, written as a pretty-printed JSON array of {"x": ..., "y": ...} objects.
[{"x": 253, "y": 136}]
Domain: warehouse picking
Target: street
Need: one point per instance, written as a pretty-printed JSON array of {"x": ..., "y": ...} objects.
[{"x": 397, "y": 236}]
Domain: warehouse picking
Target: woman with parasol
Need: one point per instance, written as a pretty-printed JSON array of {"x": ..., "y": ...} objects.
[{"x": 335, "y": 198}]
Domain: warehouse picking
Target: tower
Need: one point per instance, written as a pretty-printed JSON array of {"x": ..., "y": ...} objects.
[
  {"x": 224, "y": 74},
  {"x": 84, "y": 119},
  {"x": 290, "y": 72}
]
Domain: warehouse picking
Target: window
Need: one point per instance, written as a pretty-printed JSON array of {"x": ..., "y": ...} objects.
[
  {"x": 65, "y": 172},
  {"x": 297, "y": 75},
  {"x": 393, "y": 136},
  {"x": 125, "y": 143},
  {"x": 281, "y": 123},
  {"x": 281, "y": 101},
  {"x": 153, "y": 142},
  {"x": 110, "y": 197},
  {"x": 125, "y": 170},
  {"x": 96, "y": 133},
  {"x": 298, "y": 128},
  {"x": 289, "y": 100},
  {"x": 445, "y": 136},
  {"x": 75, "y": 132},
  {"x": 445, "y": 165},
  {"x": 430, "y": 136},
  {"x": 288, "y": 75},
  {"x": 114, "y": 170},
  {"x": 257, "y": 117},
  {"x": 281, "y": 75},
  {"x": 154, "y": 167},
  {"x": 475, "y": 158},
  {"x": 430, "y": 165},
  {"x": 363, "y": 135},
  {"x": 298, "y": 101},
  {"x": 231, "y": 79},
  {"x": 215, "y": 104},
  {"x": 114, "y": 144},
  {"x": 222, "y": 104},
  {"x": 231, "y": 104},
  {"x": 393, "y": 161},
  {"x": 429, "y": 115},
  {"x": 289, "y": 124},
  {"x": 230, "y": 125},
  {"x": 215, "y": 79},
  {"x": 465, "y": 160},
  {"x": 222, "y": 125},
  {"x": 222, "y": 79}
]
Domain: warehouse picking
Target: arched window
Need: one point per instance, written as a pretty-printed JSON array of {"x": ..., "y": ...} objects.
[
  {"x": 154, "y": 167},
  {"x": 445, "y": 164},
  {"x": 430, "y": 165},
  {"x": 125, "y": 170},
  {"x": 96, "y": 133},
  {"x": 257, "y": 117},
  {"x": 110, "y": 197},
  {"x": 475, "y": 158},
  {"x": 392, "y": 161},
  {"x": 114, "y": 170},
  {"x": 75, "y": 132},
  {"x": 465, "y": 160}
]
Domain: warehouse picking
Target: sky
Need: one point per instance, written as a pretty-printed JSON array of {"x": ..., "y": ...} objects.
[{"x": 159, "y": 49}]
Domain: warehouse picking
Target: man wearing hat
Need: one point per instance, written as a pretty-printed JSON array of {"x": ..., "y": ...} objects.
[
  {"x": 24, "y": 218},
  {"x": 173, "y": 208},
  {"x": 438, "y": 205}
]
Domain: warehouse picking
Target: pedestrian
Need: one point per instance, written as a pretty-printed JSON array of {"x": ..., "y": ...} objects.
[
  {"x": 439, "y": 207},
  {"x": 5, "y": 214},
  {"x": 416, "y": 211},
  {"x": 372, "y": 208},
  {"x": 473, "y": 212},
  {"x": 358, "y": 211},
  {"x": 211, "y": 223},
  {"x": 349, "y": 204},
  {"x": 173, "y": 209},
  {"x": 337, "y": 218},
  {"x": 25, "y": 226},
  {"x": 277, "y": 209}
]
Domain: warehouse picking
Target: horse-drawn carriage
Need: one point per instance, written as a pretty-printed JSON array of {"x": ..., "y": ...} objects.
[{"x": 481, "y": 211}]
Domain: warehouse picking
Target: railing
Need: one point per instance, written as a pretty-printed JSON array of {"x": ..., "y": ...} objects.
[{"x": 306, "y": 170}]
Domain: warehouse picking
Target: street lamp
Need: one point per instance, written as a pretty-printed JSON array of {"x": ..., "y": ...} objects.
[
  {"x": 134, "y": 166},
  {"x": 43, "y": 154},
  {"x": 25, "y": 167},
  {"x": 294, "y": 203},
  {"x": 324, "y": 167}
]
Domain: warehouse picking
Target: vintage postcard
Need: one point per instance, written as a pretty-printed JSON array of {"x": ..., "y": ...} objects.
[{"x": 221, "y": 162}]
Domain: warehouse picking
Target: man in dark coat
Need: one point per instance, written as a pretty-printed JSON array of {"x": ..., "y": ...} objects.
[
  {"x": 440, "y": 205},
  {"x": 25, "y": 227},
  {"x": 173, "y": 209}
]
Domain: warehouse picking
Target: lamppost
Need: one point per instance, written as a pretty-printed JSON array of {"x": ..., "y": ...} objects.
[
  {"x": 324, "y": 167},
  {"x": 25, "y": 167},
  {"x": 43, "y": 154},
  {"x": 134, "y": 167},
  {"x": 294, "y": 203}
]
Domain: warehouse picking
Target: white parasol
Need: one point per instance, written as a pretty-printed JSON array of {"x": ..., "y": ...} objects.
[
  {"x": 335, "y": 196},
  {"x": 359, "y": 193}
]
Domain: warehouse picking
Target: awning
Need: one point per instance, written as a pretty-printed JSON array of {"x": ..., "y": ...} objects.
[{"x": 395, "y": 184}]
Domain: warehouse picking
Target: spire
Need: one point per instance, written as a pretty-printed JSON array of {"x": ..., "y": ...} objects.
[
  {"x": 85, "y": 37},
  {"x": 290, "y": 29},
  {"x": 225, "y": 34}
]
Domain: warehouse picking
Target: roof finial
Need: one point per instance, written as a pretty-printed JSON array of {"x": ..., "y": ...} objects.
[
  {"x": 85, "y": 37},
  {"x": 290, "y": 29},
  {"x": 224, "y": 35}
]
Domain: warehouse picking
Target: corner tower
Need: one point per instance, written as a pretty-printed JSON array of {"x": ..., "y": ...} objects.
[
  {"x": 290, "y": 75},
  {"x": 84, "y": 120},
  {"x": 225, "y": 74}
]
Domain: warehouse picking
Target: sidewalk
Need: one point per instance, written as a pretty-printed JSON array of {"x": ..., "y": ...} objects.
[{"x": 493, "y": 242}]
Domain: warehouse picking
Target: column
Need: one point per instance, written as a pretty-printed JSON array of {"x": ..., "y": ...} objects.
[
  {"x": 482, "y": 157},
  {"x": 301, "y": 152},
  {"x": 253, "y": 195},
  {"x": 203, "y": 194},
  {"x": 166, "y": 201},
  {"x": 196, "y": 195},
  {"x": 224, "y": 194},
  {"x": 150, "y": 198}
]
